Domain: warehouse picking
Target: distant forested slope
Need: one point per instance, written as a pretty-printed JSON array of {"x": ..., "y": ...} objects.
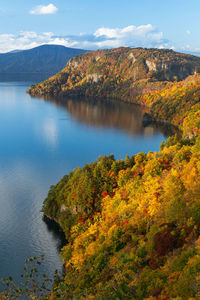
[{"x": 46, "y": 59}]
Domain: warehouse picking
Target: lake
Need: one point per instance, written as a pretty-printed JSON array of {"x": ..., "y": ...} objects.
[{"x": 40, "y": 141}]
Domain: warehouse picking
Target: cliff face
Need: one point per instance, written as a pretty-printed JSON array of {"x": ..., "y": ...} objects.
[
  {"x": 123, "y": 73},
  {"x": 171, "y": 70}
]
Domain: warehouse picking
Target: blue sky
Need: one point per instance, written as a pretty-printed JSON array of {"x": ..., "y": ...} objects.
[{"x": 94, "y": 24}]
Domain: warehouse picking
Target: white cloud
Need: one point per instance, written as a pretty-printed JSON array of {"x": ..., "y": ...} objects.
[
  {"x": 131, "y": 30},
  {"x": 144, "y": 35},
  {"x": 188, "y": 32},
  {"x": 130, "y": 36},
  {"x": 189, "y": 49},
  {"x": 23, "y": 40},
  {"x": 44, "y": 10}
]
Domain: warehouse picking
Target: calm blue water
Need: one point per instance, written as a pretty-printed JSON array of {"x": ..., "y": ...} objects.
[{"x": 40, "y": 141}]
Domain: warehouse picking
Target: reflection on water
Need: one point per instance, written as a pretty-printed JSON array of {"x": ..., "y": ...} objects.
[
  {"x": 40, "y": 141},
  {"x": 103, "y": 114},
  {"x": 50, "y": 132},
  {"x": 109, "y": 113}
]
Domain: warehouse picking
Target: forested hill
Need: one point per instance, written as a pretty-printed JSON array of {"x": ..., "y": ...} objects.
[
  {"x": 124, "y": 73},
  {"x": 47, "y": 59},
  {"x": 133, "y": 225}
]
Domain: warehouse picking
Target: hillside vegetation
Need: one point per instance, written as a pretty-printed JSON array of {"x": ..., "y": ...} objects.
[
  {"x": 123, "y": 73},
  {"x": 133, "y": 225},
  {"x": 178, "y": 104}
]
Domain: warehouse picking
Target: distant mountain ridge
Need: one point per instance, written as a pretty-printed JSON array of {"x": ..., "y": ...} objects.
[{"x": 45, "y": 59}]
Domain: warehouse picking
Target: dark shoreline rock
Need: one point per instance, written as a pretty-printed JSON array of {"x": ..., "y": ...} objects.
[
  {"x": 167, "y": 128},
  {"x": 147, "y": 119}
]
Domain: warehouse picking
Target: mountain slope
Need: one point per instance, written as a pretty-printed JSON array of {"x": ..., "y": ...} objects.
[
  {"x": 133, "y": 225},
  {"x": 124, "y": 73},
  {"x": 47, "y": 59}
]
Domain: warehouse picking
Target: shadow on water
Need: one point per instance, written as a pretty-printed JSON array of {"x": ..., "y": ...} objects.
[{"x": 56, "y": 231}]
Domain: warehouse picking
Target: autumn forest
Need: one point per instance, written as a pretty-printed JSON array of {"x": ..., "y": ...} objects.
[{"x": 132, "y": 226}]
